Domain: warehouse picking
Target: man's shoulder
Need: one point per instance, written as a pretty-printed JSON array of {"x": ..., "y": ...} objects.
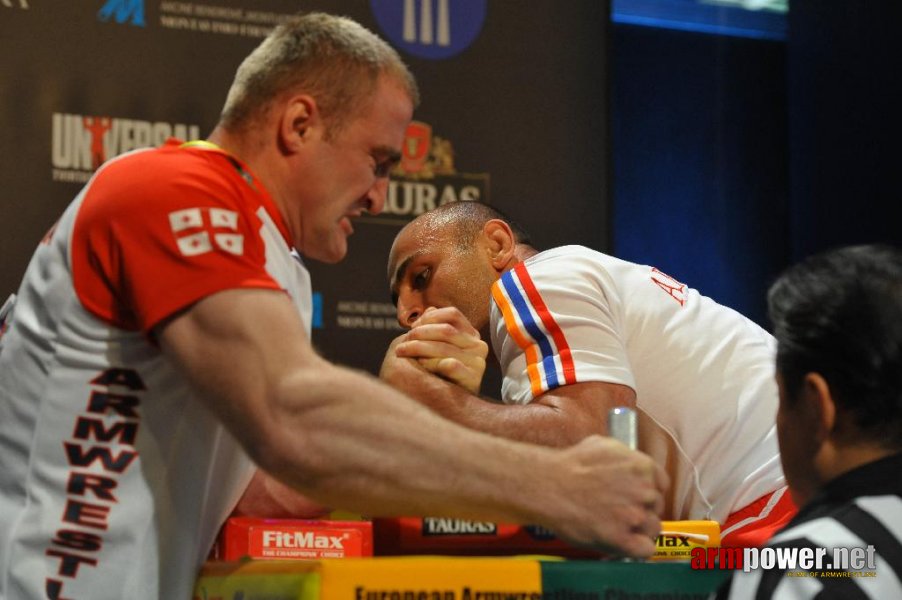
[
  {"x": 162, "y": 180},
  {"x": 580, "y": 262},
  {"x": 163, "y": 164},
  {"x": 840, "y": 523},
  {"x": 561, "y": 257}
]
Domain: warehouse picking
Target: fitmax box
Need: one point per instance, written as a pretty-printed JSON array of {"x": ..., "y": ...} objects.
[{"x": 294, "y": 539}]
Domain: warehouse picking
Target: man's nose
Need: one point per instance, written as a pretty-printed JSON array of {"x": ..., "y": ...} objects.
[
  {"x": 377, "y": 196},
  {"x": 408, "y": 312}
]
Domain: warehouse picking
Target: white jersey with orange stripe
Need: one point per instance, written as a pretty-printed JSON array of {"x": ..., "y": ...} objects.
[{"x": 703, "y": 374}]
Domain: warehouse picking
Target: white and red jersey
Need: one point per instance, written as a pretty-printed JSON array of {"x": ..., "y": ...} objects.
[
  {"x": 703, "y": 374},
  {"x": 114, "y": 478}
]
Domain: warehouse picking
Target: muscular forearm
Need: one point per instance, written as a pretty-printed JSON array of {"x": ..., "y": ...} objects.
[
  {"x": 365, "y": 448},
  {"x": 542, "y": 423}
]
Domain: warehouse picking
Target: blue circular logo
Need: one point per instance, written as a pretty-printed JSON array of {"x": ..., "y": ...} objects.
[{"x": 433, "y": 29}]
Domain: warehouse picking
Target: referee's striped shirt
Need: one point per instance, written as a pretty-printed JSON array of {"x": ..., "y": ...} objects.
[{"x": 860, "y": 508}]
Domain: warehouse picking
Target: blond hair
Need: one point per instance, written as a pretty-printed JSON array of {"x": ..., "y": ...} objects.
[{"x": 334, "y": 59}]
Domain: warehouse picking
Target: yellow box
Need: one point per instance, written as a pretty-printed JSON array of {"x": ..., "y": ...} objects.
[{"x": 678, "y": 538}]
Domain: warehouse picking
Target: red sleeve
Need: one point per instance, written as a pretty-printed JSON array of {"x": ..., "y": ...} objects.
[{"x": 161, "y": 229}]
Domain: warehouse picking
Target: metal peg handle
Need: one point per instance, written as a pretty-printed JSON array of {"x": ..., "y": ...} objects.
[{"x": 622, "y": 426}]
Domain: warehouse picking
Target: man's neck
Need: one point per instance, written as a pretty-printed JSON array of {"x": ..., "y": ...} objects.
[{"x": 847, "y": 457}]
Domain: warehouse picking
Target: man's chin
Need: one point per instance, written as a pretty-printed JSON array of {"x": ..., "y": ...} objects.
[{"x": 331, "y": 255}]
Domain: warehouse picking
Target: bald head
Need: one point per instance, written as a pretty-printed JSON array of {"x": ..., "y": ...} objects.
[
  {"x": 451, "y": 256},
  {"x": 467, "y": 220}
]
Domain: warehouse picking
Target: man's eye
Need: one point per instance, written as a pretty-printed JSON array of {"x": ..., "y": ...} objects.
[
  {"x": 420, "y": 279},
  {"x": 383, "y": 168}
]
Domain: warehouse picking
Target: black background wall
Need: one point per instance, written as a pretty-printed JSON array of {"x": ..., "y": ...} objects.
[
  {"x": 734, "y": 157},
  {"x": 700, "y": 159},
  {"x": 845, "y": 99}
]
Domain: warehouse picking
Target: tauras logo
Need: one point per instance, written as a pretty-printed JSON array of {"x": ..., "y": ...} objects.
[
  {"x": 436, "y": 526},
  {"x": 426, "y": 177},
  {"x": 84, "y": 142},
  {"x": 297, "y": 539}
]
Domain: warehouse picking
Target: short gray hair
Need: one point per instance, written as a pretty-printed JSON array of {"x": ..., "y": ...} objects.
[{"x": 334, "y": 59}]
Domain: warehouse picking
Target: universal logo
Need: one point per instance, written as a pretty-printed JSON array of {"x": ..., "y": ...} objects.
[{"x": 81, "y": 143}]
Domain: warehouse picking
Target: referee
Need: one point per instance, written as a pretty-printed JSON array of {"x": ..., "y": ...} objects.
[{"x": 838, "y": 322}]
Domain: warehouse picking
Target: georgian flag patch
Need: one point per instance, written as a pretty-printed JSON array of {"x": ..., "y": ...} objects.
[{"x": 201, "y": 230}]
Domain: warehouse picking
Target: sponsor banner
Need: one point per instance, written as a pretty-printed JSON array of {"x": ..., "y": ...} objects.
[
  {"x": 431, "y": 578},
  {"x": 584, "y": 580},
  {"x": 273, "y": 580},
  {"x": 411, "y": 578}
]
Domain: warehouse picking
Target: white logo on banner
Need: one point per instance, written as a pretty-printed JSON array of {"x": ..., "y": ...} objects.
[
  {"x": 81, "y": 143},
  {"x": 433, "y": 29},
  {"x": 193, "y": 244},
  {"x": 438, "y": 29},
  {"x": 208, "y": 17}
]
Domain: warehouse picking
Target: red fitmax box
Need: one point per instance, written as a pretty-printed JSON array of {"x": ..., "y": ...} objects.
[{"x": 294, "y": 539}]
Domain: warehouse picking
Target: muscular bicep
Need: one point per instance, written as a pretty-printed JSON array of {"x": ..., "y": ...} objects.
[
  {"x": 583, "y": 407},
  {"x": 237, "y": 348}
]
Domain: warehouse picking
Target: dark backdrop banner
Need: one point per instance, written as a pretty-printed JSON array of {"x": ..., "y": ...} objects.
[{"x": 514, "y": 113}]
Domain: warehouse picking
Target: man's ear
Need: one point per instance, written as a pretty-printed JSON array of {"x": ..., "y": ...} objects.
[
  {"x": 820, "y": 407},
  {"x": 500, "y": 242},
  {"x": 299, "y": 117}
]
